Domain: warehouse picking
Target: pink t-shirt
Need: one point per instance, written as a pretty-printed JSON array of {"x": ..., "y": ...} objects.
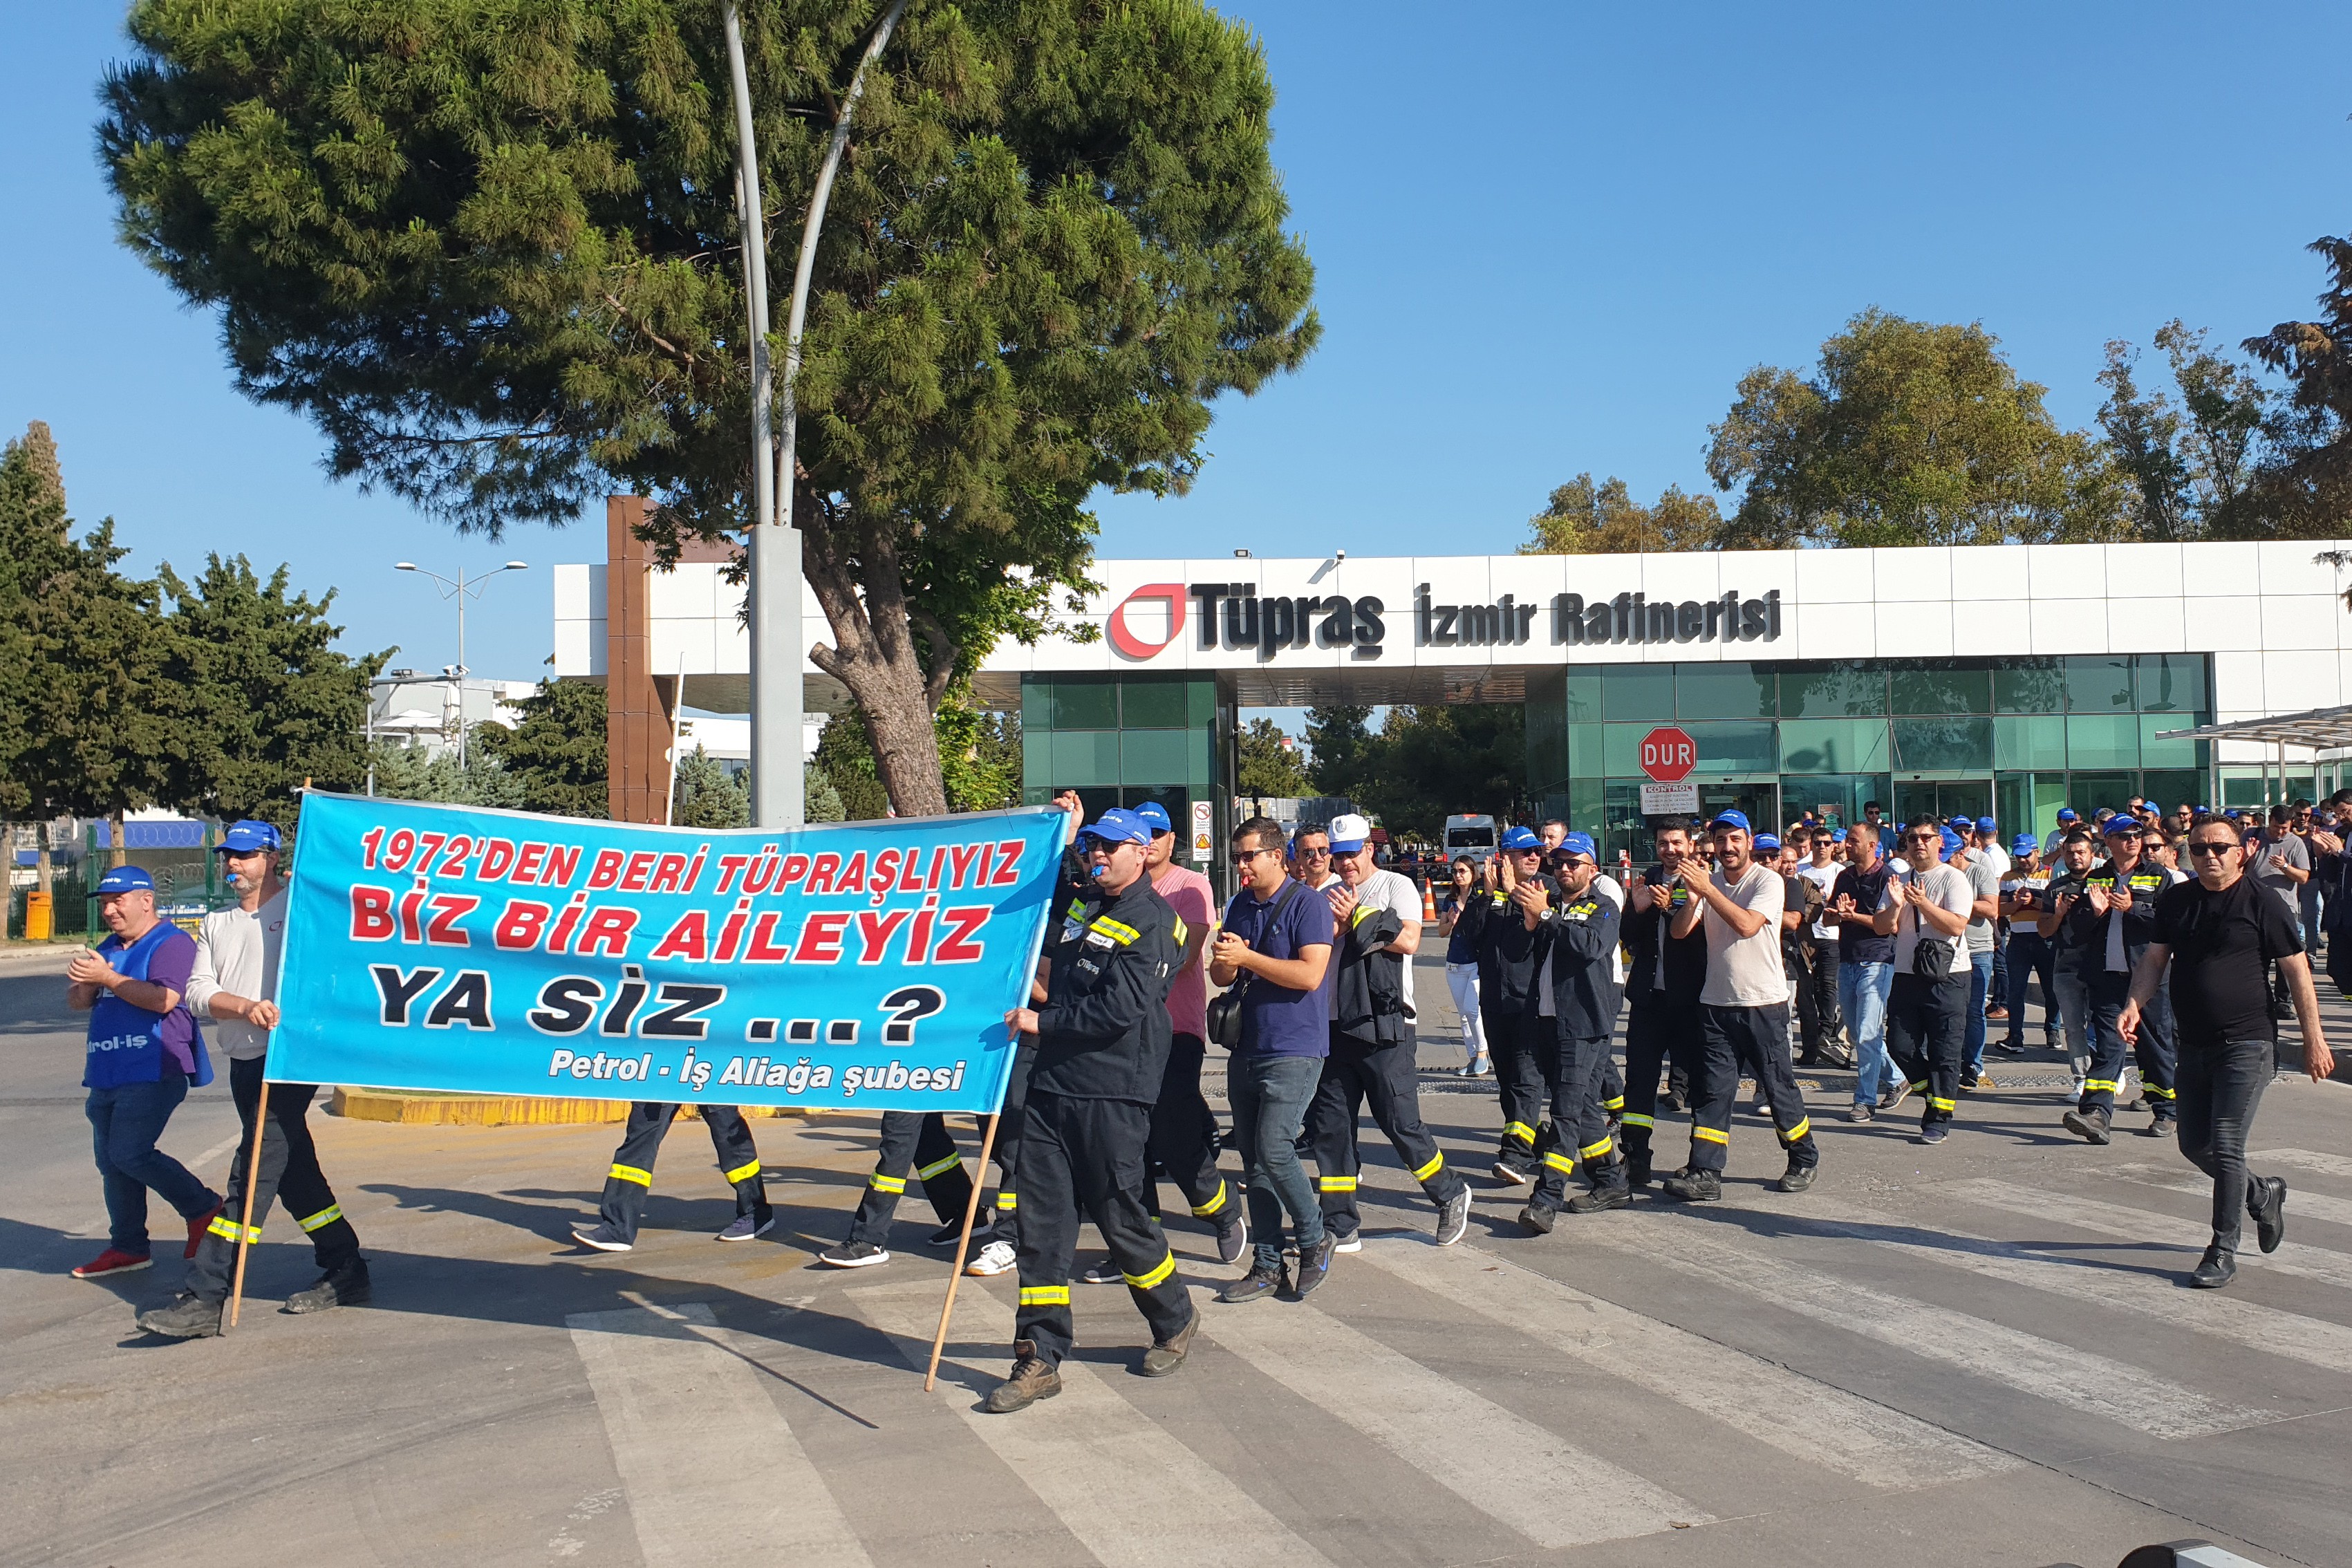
[{"x": 1187, "y": 893}]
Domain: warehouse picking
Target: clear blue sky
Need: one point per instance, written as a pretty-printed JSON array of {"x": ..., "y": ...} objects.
[{"x": 1549, "y": 238}]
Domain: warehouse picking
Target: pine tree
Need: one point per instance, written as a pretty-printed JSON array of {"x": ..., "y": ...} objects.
[
  {"x": 705, "y": 794},
  {"x": 556, "y": 755},
  {"x": 261, "y": 698},
  {"x": 492, "y": 252}
]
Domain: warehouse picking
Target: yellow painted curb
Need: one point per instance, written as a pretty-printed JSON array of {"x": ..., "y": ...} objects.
[{"x": 419, "y": 1108}]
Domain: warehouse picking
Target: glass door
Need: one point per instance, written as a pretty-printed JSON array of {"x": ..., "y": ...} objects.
[{"x": 1943, "y": 799}]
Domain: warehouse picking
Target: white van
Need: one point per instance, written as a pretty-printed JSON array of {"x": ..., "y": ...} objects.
[{"x": 1470, "y": 835}]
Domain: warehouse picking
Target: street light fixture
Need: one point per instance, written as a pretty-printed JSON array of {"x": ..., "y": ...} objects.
[{"x": 460, "y": 588}]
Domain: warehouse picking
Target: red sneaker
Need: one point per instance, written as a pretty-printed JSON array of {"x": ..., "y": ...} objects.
[
  {"x": 113, "y": 1261},
  {"x": 196, "y": 1228}
]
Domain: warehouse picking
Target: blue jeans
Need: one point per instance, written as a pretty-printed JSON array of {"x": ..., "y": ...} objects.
[
  {"x": 1269, "y": 1096},
  {"x": 125, "y": 1121},
  {"x": 1979, "y": 987},
  {"x": 1863, "y": 990}
]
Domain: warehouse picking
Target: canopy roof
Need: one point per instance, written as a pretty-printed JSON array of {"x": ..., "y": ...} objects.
[{"x": 2326, "y": 728}]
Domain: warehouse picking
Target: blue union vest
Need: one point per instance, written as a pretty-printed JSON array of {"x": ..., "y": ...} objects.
[{"x": 126, "y": 1043}]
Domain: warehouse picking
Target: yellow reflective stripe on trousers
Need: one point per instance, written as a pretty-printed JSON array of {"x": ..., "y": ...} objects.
[
  {"x": 1635, "y": 1119},
  {"x": 2153, "y": 1092},
  {"x": 1594, "y": 1151},
  {"x": 1711, "y": 1135},
  {"x": 1044, "y": 1295},
  {"x": 936, "y": 1166},
  {"x": 226, "y": 1228},
  {"x": 1007, "y": 1202},
  {"x": 882, "y": 1183},
  {"x": 1938, "y": 1102},
  {"x": 743, "y": 1173},
  {"x": 1334, "y": 1184},
  {"x": 1616, "y": 1104},
  {"x": 1520, "y": 1130},
  {"x": 1436, "y": 1164},
  {"x": 1202, "y": 1211},
  {"x": 1804, "y": 1125},
  {"x": 631, "y": 1173},
  {"x": 2110, "y": 1085},
  {"x": 325, "y": 1217},
  {"x": 1560, "y": 1163},
  {"x": 1146, "y": 1281}
]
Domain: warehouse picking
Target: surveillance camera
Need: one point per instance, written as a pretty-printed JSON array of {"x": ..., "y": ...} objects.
[{"x": 1339, "y": 554}]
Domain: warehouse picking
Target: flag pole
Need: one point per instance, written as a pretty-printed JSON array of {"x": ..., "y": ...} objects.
[{"x": 963, "y": 1243}]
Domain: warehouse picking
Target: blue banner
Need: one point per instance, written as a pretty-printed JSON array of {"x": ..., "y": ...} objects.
[{"x": 867, "y": 964}]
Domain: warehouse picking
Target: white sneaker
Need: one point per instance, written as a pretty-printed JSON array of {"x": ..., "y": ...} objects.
[
  {"x": 1353, "y": 1242},
  {"x": 996, "y": 1257}
]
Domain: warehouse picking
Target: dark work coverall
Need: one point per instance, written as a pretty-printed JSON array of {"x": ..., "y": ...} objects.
[
  {"x": 1370, "y": 1059},
  {"x": 1102, "y": 1048},
  {"x": 1581, "y": 953},
  {"x": 1516, "y": 1035},
  {"x": 914, "y": 1142},
  {"x": 631, "y": 1178},
  {"x": 289, "y": 1170},
  {"x": 1661, "y": 1014},
  {"x": 2109, "y": 991}
]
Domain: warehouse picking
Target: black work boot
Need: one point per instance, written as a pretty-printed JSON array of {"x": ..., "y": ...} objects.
[
  {"x": 1637, "y": 1168},
  {"x": 1033, "y": 1379},
  {"x": 1693, "y": 1186},
  {"x": 1611, "y": 1190},
  {"x": 187, "y": 1316},
  {"x": 345, "y": 1287},
  {"x": 2269, "y": 1212},
  {"x": 1796, "y": 1178},
  {"x": 1537, "y": 1219},
  {"x": 2215, "y": 1269},
  {"x": 2091, "y": 1125}
]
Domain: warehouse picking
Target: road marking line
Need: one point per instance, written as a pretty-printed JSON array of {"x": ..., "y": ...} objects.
[
  {"x": 2128, "y": 1224},
  {"x": 670, "y": 1384},
  {"x": 1795, "y": 1413},
  {"x": 2300, "y": 1201},
  {"x": 1133, "y": 1495},
  {"x": 2081, "y": 1380},
  {"x": 1549, "y": 1490},
  {"x": 2304, "y": 1159}
]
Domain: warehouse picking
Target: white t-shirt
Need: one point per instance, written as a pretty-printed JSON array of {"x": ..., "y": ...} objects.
[
  {"x": 1607, "y": 887},
  {"x": 238, "y": 953},
  {"x": 1994, "y": 856},
  {"x": 1952, "y": 892},
  {"x": 1745, "y": 971},
  {"x": 1825, "y": 878},
  {"x": 1388, "y": 890}
]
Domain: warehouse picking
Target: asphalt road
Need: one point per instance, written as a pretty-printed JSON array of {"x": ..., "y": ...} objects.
[{"x": 1974, "y": 1354}]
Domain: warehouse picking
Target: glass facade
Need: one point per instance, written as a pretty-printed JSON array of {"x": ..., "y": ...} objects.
[
  {"x": 1124, "y": 740},
  {"x": 2015, "y": 739}
]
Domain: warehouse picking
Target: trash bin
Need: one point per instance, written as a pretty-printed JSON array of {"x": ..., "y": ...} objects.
[{"x": 40, "y": 915}]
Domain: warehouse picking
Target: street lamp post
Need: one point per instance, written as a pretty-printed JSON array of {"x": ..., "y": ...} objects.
[{"x": 460, "y": 588}]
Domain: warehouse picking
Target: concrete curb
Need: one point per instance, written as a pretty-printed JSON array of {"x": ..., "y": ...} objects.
[{"x": 418, "y": 1108}]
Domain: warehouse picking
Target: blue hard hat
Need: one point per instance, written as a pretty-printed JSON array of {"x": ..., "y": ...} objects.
[
  {"x": 1154, "y": 815},
  {"x": 1117, "y": 826},
  {"x": 127, "y": 879},
  {"x": 247, "y": 838},
  {"x": 1730, "y": 819},
  {"x": 1579, "y": 844}
]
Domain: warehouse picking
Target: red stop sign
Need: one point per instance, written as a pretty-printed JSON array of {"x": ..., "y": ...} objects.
[{"x": 1668, "y": 755}]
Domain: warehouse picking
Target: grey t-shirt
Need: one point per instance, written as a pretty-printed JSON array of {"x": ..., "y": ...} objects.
[
  {"x": 2296, "y": 853},
  {"x": 1984, "y": 882}
]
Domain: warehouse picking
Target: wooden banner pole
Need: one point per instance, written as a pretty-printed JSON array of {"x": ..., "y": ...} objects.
[
  {"x": 252, "y": 1180},
  {"x": 963, "y": 1242}
]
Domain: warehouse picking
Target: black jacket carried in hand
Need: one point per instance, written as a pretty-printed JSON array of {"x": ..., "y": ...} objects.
[
  {"x": 1103, "y": 1033},
  {"x": 1368, "y": 1004},
  {"x": 1646, "y": 930}
]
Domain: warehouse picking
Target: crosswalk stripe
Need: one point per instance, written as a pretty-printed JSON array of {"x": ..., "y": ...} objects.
[
  {"x": 1119, "y": 1483},
  {"x": 2300, "y": 1201},
  {"x": 2304, "y": 1160},
  {"x": 2082, "y": 1380},
  {"x": 2312, "y": 1341},
  {"x": 668, "y": 1382},
  {"x": 1809, "y": 1420},
  {"x": 2127, "y": 1223},
  {"x": 1552, "y": 1491}
]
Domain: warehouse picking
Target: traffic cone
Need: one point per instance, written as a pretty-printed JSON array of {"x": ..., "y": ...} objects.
[{"x": 1428, "y": 901}]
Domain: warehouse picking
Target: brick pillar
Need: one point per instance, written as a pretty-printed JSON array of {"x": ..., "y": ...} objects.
[{"x": 636, "y": 721}]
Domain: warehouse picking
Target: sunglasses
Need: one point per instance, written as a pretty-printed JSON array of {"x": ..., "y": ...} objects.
[
  {"x": 1923, "y": 838},
  {"x": 1243, "y": 857},
  {"x": 2210, "y": 849},
  {"x": 1315, "y": 854}
]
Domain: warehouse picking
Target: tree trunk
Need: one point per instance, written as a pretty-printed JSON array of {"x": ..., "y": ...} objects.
[
  {"x": 872, "y": 652},
  {"x": 44, "y": 868},
  {"x": 117, "y": 854}
]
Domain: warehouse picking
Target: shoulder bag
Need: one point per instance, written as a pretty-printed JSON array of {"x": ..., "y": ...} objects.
[
  {"x": 1224, "y": 1016},
  {"x": 1931, "y": 956}
]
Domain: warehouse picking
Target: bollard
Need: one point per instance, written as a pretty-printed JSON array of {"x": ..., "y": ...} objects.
[{"x": 2187, "y": 1555}]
